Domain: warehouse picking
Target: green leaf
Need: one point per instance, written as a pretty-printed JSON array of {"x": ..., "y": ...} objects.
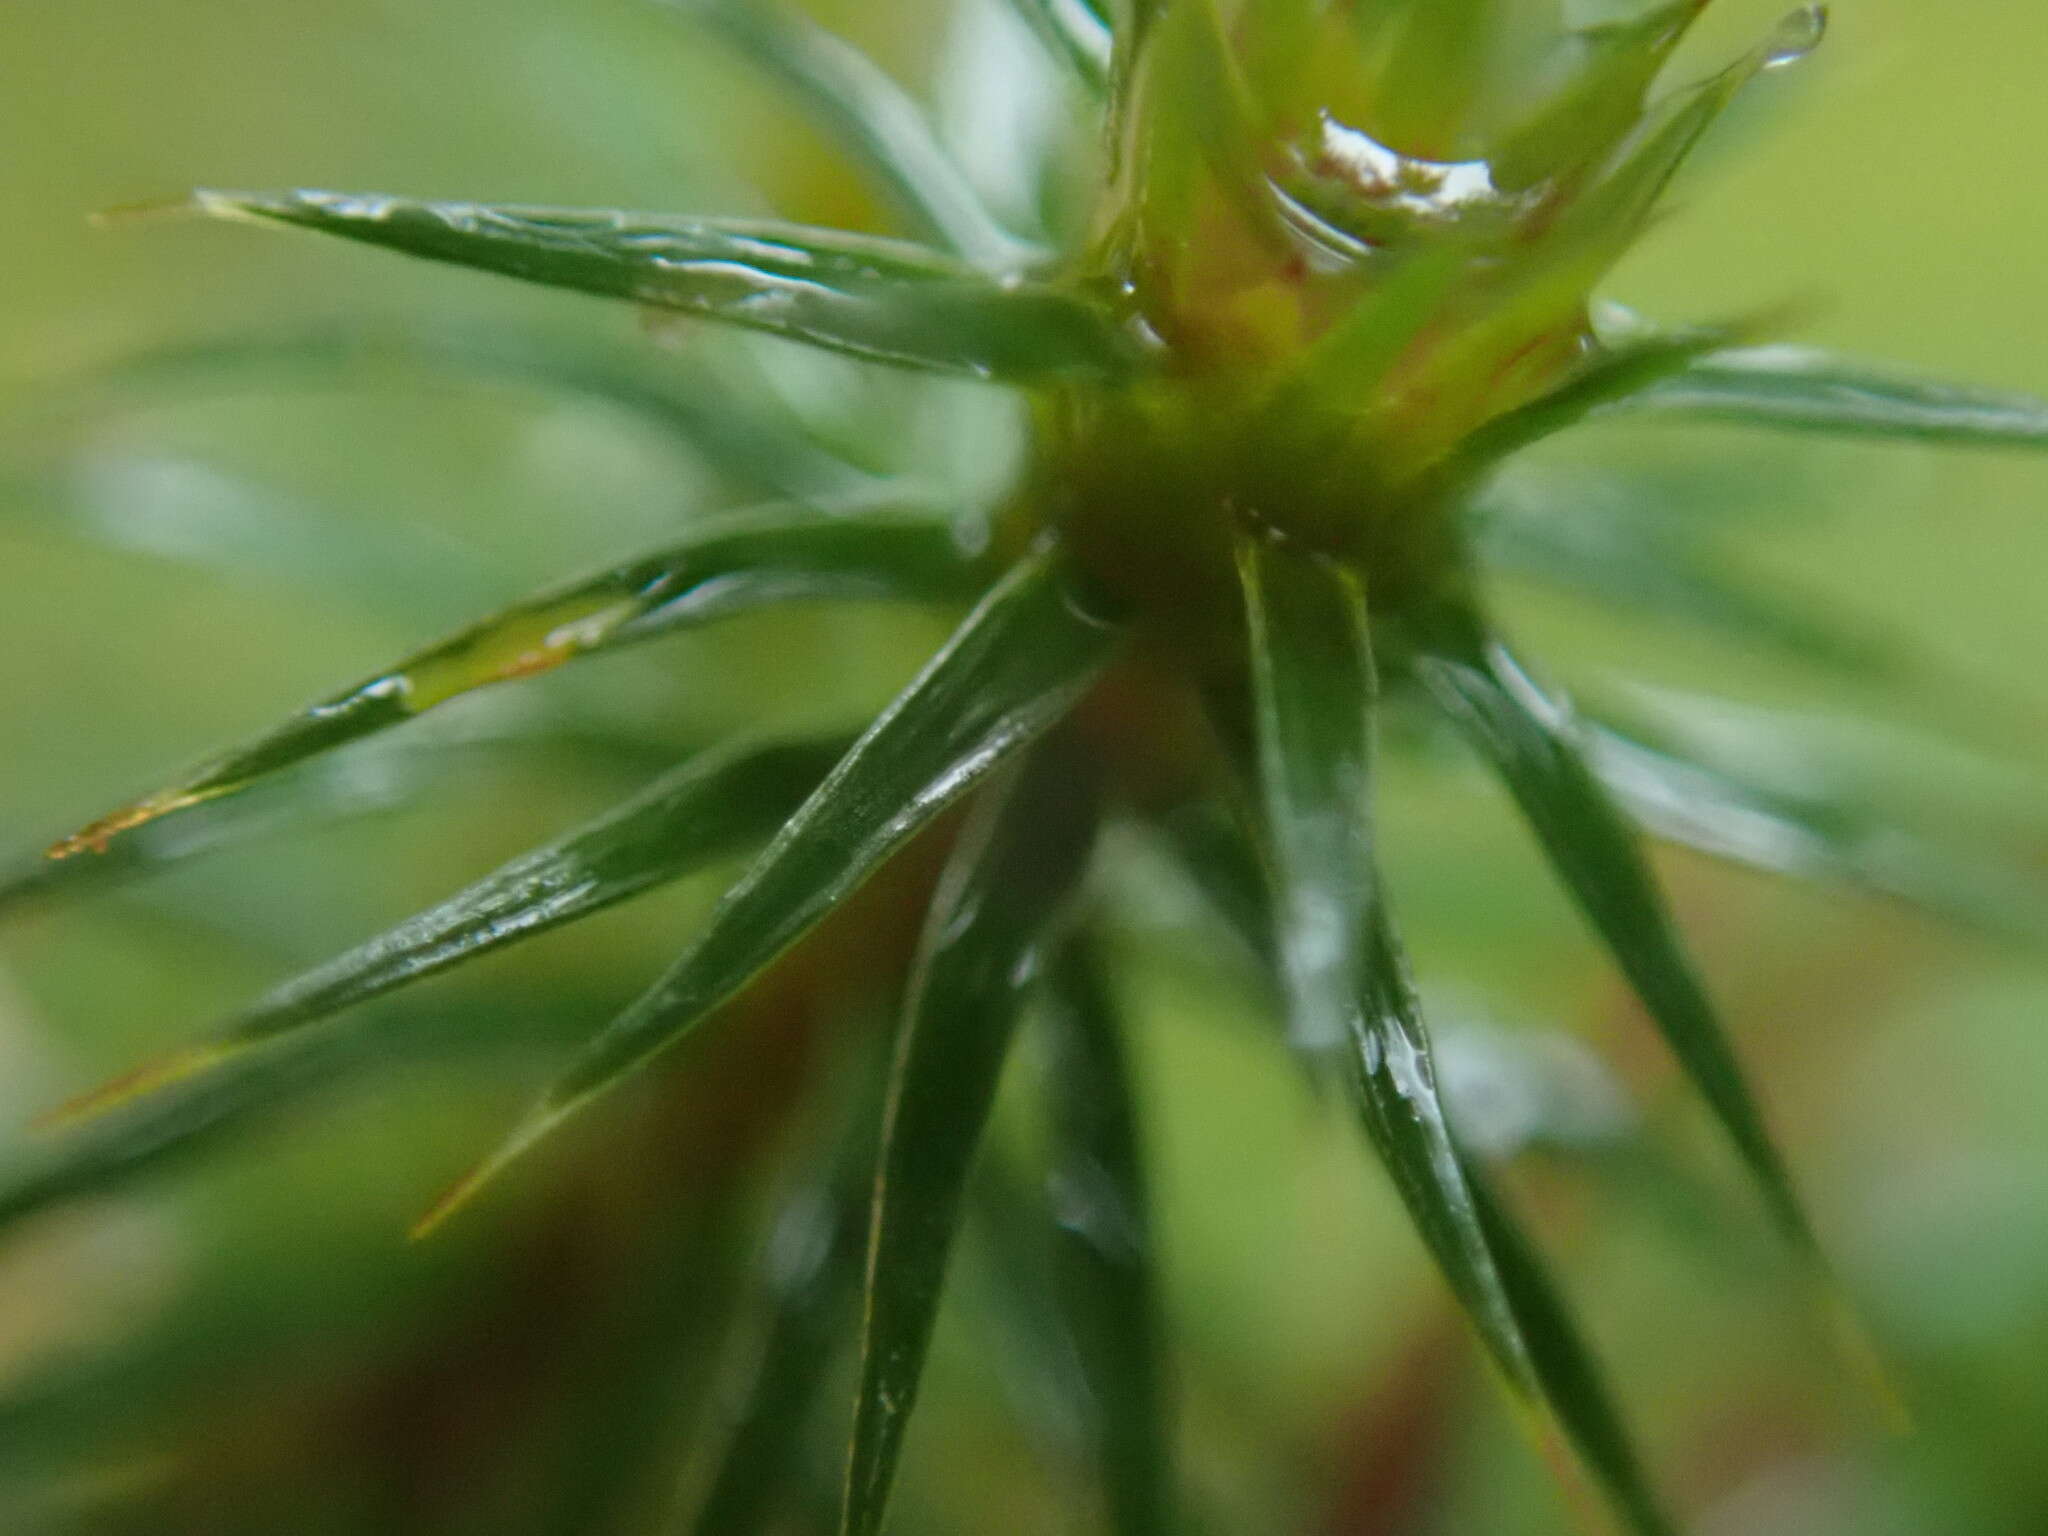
[
  {"x": 1103, "y": 1232},
  {"x": 1428, "y": 59},
  {"x": 725, "y": 567},
  {"x": 1531, "y": 740},
  {"x": 1071, "y": 32},
  {"x": 1351, "y": 361},
  {"x": 810, "y": 1281},
  {"x": 344, "y": 790},
  {"x": 1021, "y": 660},
  {"x": 1313, "y": 693},
  {"x": 1641, "y": 168},
  {"x": 728, "y": 419},
  {"x": 1014, "y": 869},
  {"x": 1614, "y": 373},
  {"x": 708, "y": 808},
  {"x": 882, "y": 300},
  {"x": 1815, "y": 835},
  {"x": 1805, "y": 390},
  {"x": 1201, "y": 121},
  {"x": 1313, "y": 688},
  {"x": 1590, "y": 535},
  {"x": 1571, "y": 1376},
  {"x": 858, "y": 105},
  {"x": 1600, "y": 101},
  {"x": 1211, "y": 846}
]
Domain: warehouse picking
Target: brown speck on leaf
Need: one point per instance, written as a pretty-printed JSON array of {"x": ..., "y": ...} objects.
[{"x": 95, "y": 837}]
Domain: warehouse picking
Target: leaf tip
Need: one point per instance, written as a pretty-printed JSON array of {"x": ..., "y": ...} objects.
[
  {"x": 186, "y": 1062},
  {"x": 465, "y": 1189},
  {"x": 149, "y": 211},
  {"x": 95, "y": 836},
  {"x": 1860, "y": 1356}
]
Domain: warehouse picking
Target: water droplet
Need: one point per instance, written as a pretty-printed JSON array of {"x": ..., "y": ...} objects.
[{"x": 1797, "y": 36}]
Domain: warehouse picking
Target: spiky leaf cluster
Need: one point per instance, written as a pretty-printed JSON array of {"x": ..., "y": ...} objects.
[{"x": 1341, "y": 265}]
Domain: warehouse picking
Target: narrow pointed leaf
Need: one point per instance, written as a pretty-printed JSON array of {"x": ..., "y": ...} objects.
[
  {"x": 1074, "y": 34},
  {"x": 1601, "y": 100},
  {"x": 1716, "y": 810},
  {"x": 1644, "y": 164},
  {"x": 724, "y": 568},
  {"x": 1806, "y": 390},
  {"x": 729, "y": 420},
  {"x": 1576, "y": 533},
  {"x": 710, "y": 807},
  {"x": 1571, "y": 1376},
  {"x": 1313, "y": 688},
  {"x": 810, "y": 1286},
  {"x": 1211, "y": 846},
  {"x": 1313, "y": 691},
  {"x": 1104, "y": 1245},
  {"x": 1021, "y": 660},
  {"x": 1014, "y": 870},
  {"x": 882, "y": 300},
  {"x": 1313, "y": 694},
  {"x": 1539, "y": 1348},
  {"x": 1431, "y": 57},
  {"x": 1202, "y": 128},
  {"x": 1613, "y": 374},
  {"x": 1531, "y": 741},
  {"x": 857, "y": 104},
  {"x": 350, "y": 790}
]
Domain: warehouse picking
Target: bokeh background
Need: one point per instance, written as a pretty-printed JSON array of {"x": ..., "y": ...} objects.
[{"x": 193, "y": 541}]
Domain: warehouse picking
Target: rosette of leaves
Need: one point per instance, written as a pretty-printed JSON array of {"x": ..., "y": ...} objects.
[{"x": 1338, "y": 267}]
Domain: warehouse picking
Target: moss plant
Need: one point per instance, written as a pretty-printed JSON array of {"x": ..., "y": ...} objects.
[{"x": 1339, "y": 265}]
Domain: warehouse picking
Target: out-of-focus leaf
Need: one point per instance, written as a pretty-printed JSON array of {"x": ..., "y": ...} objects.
[
  {"x": 1104, "y": 1245},
  {"x": 732, "y": 422},
  {"x": 810, "y": 1282},
  {"x": 1348, "y": 362},
  {"x": 708, "y": 808},
  {"x": 1814, "y": 836},
  {"x": 1007, "y": 883},
  {"x": 883, "y": 300},
  {"x": 1427, "y": 58},
  {"x": 1074, "y": 34},
  {"x": 1803, "y": 389},
  {"x": 857, "y": 104},
  {"x": 1531, "y": 741},
  {"x": 1212, "y": 848},
  {"x": 184, "y": 511},
  {"x": 142, "y": 1134},
  {"x": 1021, "y": 660},
  {"x": 1518, "y": 1089},
  {"x": 1313, "y": 691},
  {"x": 1578, "y": 532},
  {"x": 340, "y": 790},
  {"x": 723, "y": 568},
  {"x": 1642, "y": 167},
  {"x": 1612, "y": 374},
  {"x": 1571, "y": 1376},
  {"x": 1202, "y": 122},
  {"x": 1601, "y": 99}
]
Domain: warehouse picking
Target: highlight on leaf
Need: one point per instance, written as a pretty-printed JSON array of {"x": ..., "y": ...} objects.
[
  {"x": 1013, "y": 669},
  {"x": 712, "y": 805},
  {"x": 1528, "y": 737},
  {"x": 885, "y": 301},
  {"x": 1313, "y": 690},
  {"x": 1010, "y": 878},
  {"x": 726, "y": 568}
]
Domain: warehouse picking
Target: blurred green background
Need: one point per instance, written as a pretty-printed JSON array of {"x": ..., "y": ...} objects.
[{"x": 249, "y": 1345}]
